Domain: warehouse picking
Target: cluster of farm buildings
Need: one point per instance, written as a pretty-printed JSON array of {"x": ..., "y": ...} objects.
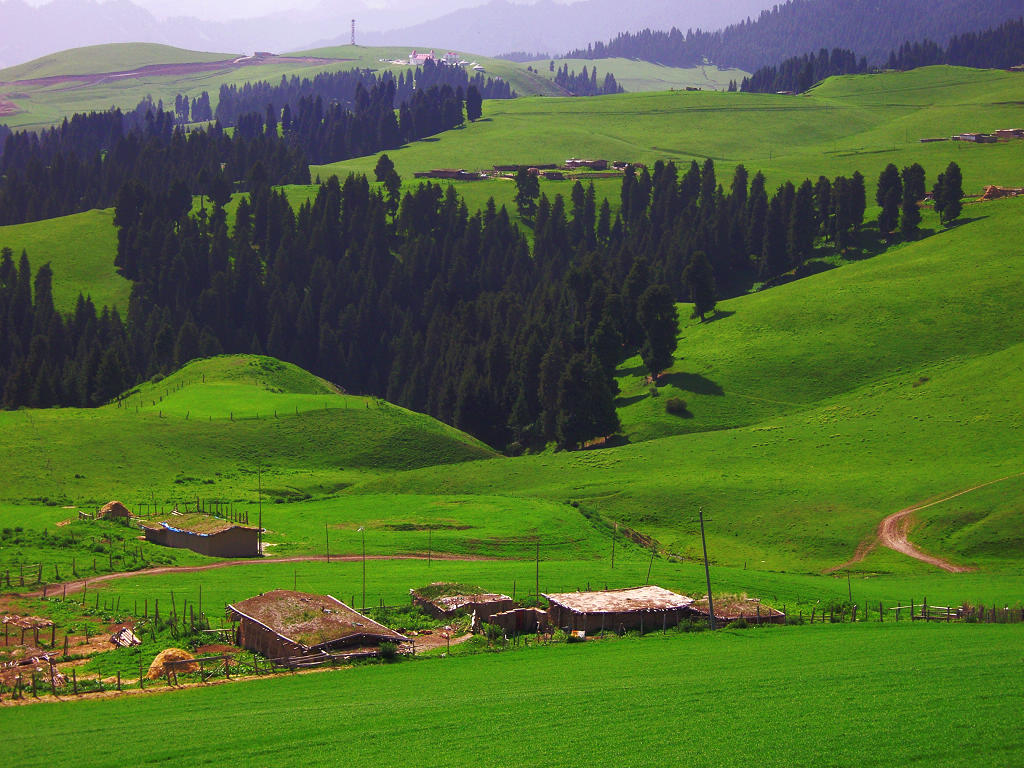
[
  {"x": 1003, "y": 134},
  {"x": 301, "y": 629},
  {"x": 576, "y": 167},
  {"x": 452, "y": 59}
]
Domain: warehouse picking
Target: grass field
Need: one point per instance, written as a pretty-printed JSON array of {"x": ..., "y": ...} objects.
[
  {"x": 635, "y": 75},
  {"x": 774, "y": 696},
  {"x": 80, "y": 249},
  {"x": 112, "y": 57},
  {"x": 44, "y": 104},
  {"x": 203, "y": 444},
  {"x": 839, "y": 127}
]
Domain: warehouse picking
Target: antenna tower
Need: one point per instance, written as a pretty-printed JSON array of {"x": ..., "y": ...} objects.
[{"x": 353, "y": 31}]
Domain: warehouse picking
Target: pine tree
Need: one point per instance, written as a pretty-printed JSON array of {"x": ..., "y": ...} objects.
[
  {"x": 948, "y": 192},
  {"x": 659, "y": 324},
  {"x": 474, "y": 104},
  {"x": 699, "y": 282}
]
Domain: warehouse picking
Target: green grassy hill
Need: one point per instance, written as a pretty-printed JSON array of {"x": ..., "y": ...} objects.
[
  {"x": 80, "y": 249},
  {"x": 111, "y": 57},
  {"x": 204, "y": 430},
  {"x": 818, "y": 408}
]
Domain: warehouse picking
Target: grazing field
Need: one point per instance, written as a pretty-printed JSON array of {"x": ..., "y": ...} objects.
[
  {"x": 775, "y": 696},
  {"x": 635, "y": 75},
  {"x": 839, "y": 127},
  {"x": 49, "y": 101},
  {"x": 200, "y": 445},
  {"x": 80, "y": 249}
]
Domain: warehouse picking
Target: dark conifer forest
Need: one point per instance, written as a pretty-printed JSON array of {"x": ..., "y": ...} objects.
[
  {"x": 586, "y": 83},
  {"x": 417, "y": 299},
  {"x": 999, "y": 48},
  {"x": 870, "y": 28}
]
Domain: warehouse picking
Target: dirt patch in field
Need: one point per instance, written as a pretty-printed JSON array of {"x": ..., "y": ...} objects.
[
  {"x": 8, "y": 107},
  {"x": 893, "y": 530}
]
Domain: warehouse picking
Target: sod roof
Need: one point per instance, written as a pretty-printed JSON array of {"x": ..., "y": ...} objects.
[
  {"x": 311, "y": 620},
  {"x": 451, "y": 596},
  {"x": 648, "y": 598},
  {"x": 731, "y": 608}
]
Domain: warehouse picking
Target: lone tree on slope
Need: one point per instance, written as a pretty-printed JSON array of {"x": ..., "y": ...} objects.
[{"x": 659, "y": 324}]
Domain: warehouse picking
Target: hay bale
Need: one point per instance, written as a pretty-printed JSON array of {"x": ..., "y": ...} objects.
[
  {"x": 114, "y": 509},
  {"x": 158, "y": 670}
]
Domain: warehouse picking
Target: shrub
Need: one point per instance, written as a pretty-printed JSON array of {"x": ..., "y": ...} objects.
[
  {"x": 388, "y": 651},
  {"x": 654, "y": 391},
  {"x": 740, "y": 623},
  {"x": 676, "y": 406}
]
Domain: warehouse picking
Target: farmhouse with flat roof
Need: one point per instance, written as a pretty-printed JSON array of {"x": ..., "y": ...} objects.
[
  {"x": 616, "y": 610},
  {"x": 206, "y": 535},
  {"x": 283, "y": 625}
]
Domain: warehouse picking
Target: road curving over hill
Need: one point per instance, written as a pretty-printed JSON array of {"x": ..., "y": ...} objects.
[
  {"x": 892, "y": 533},
  {"x": 71, "y": 587}
]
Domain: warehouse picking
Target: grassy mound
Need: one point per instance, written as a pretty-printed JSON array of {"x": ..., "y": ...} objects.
[{"x": 219, "y": 419}]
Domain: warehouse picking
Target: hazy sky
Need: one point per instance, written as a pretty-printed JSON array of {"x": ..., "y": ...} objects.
[{"x": 234, "y": 9}]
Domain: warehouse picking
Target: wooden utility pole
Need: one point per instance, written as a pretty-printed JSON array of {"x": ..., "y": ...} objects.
[
  {"x": 362, "y": 530},
  {"x": 327, "y": 537},
  {"x": 537, "y": 577},
  {"x": 259, "y": 502},
  {"x": 707, "y": 570},
  {"x": 615, "y": 531}
]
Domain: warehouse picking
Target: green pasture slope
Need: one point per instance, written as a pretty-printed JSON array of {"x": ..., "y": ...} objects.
[
  {"x": 44, "y": 104},
  {"x": 843, "y": 125},
  {"x": 635, "y": 75},
  {"x": 80, "y": 249},
  {"x": 112, "y": 57},
  {"x": 775, "y": 697},
  {"x": 203, "y": 430}
]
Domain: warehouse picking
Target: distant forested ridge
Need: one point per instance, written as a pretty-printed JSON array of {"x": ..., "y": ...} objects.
[
  {"x": 1002, "y": 47},
  {"x": 998, "y": 48},
  {"x": 343, "y": 88},
  {"x": 418, "y": 300},
  {"x": 85, "y": 161},
  {"x": 871, "y": 28}
]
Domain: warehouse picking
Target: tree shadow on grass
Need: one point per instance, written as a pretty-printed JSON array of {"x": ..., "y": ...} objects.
[
  {"x": 720, "y": 314},
  {"x": 625, "y": 402},
  {"x": 694, "y": 382}
]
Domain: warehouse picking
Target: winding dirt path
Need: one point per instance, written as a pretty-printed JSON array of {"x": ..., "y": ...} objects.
[
  {"x": 892, "y": 533},
  {"x": 78, "y": 586}
]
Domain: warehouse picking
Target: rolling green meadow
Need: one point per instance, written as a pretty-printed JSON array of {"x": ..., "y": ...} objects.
[{"x": 891, "y": 378}]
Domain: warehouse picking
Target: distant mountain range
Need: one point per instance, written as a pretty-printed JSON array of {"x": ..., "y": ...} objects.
[
  {"x": 28, "y": 32},
  {"x": 501, "y": 26}
]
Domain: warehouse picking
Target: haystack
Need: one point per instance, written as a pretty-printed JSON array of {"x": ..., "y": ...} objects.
[
  {"x": 157, "y": 669},
  {"x": 114, "y": 509}
]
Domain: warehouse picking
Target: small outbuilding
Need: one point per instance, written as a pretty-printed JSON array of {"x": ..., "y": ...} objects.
[
  {"x": 285, "y": 625},
  {"x": 114, "y": 509},
  {"x": 617, "y": 610},
  {"x": 205, "y": 534},
  {"x": 446, "y": 600}
]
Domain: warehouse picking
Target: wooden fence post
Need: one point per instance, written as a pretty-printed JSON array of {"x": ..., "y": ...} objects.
[{"x": 881, "y": 617}]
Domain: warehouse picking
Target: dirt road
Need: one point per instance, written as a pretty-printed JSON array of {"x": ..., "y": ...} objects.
[
  {"x": 892, "y": 533},
  {"x": 76, "y": 586}
]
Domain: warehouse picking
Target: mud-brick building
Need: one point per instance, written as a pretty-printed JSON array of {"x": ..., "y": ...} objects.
[
  {"x": 289, "y": 625},
  {"x": 445, "y": 600},
  {"x": 206, "y": 535},
  {"x": 617, "y": 610}
]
